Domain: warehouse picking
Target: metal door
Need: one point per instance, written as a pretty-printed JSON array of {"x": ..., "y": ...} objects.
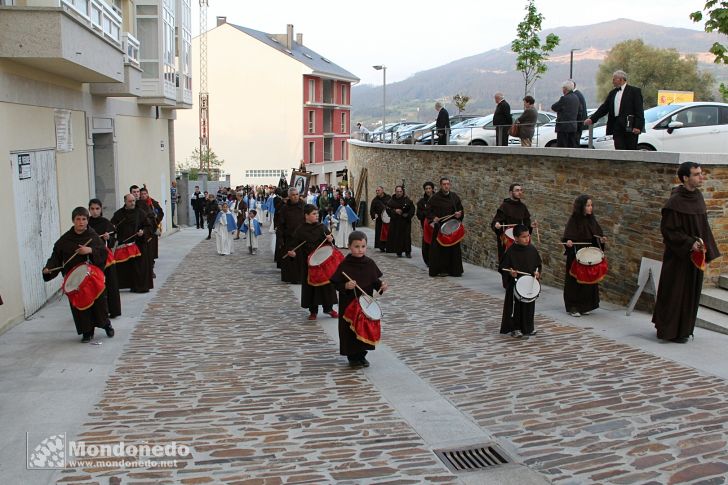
[{"x": 36, "y": 208}]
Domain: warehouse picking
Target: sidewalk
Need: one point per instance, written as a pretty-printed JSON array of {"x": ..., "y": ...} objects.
[{"x": 220, "y": 357}]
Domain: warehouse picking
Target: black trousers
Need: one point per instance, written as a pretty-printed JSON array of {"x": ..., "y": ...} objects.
[
  {"x": 625, "y": 141},
  {"x": 501, "y": 135},
  {"x": 565, "y": 140},
  {"x": 199, "y": 219},
  {"x": 441, "y": 137}
]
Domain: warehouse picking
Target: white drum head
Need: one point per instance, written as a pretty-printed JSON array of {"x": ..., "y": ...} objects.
[
  {"x": 320, "y": 255},
  {"x": 370, "y": 308},
  {"x": 509, "y": 233},
  {"x": 527, "y": 288},
  {"x": 589, "y": 256},
  {"x": 75, "y": 278},
  {"x": 385, "y": 217},
  {"x": 450, "y": 226}
]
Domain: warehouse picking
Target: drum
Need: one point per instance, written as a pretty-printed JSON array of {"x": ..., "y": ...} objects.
[
  {"x": 364, "y": 317},
  {"x": 451, "y": 232},
  {"x": 125, "y": 252},
  {"x": 83, "y": 285},
  {"x": 385, "y": 217},
  {"x": 527, "y": 289},
  {"x": 322, "y": 264},
  {"x": 698, "y": 257},
  {"x": 507, "y": 238},
  {"x": 109, "y": 258},
  {"x": 590, "y": 266},
  {"x": 427, "y": 232}
]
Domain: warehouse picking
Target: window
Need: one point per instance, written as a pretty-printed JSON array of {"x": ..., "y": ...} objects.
[
  {"x": 723, "y": 115},
  {"x": 311, "y": 91},
  {"x": 343, "y": 150},
  {"x": 311, "y": 152},
  {"x": 696, "y": 116},
  {"x": 311, "y": 121},
  {"x": 265, "y": 173},
  {"x": 343, "y": 122},
  {"x": 344, "y": 94}
]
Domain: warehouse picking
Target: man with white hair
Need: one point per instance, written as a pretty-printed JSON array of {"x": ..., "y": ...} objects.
[
  {"x": 625, "y": 110},
  {"x": 502, "y": 119},
  {"x": 442, "y": 124},
  {"x": 567, "y": 110}
]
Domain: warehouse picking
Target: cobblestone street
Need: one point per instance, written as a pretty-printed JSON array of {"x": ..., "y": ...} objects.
[{"x": 224, "y": 361}]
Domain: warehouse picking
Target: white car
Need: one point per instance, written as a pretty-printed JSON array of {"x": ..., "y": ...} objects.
[
  {"x": 685, "y": 127},
  {"x": 481, "y": 131}
]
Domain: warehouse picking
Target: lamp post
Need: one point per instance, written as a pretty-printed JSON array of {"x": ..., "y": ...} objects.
[
  {"x": 571, "y": 64},
  {"x": 384, "y": 96}
]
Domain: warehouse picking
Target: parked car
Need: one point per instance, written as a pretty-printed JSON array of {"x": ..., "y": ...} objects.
[
  {"x": 685, "y": 127},
  {"x": 484, "y": 134},
  {"x": 404, "y": 135},
  {"x": 545, "y": 135},
  {"x": 427, "y": 134}
]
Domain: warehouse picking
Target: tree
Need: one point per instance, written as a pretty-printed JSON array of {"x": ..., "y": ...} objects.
[
  {"x": 651, "y": 69},
  {"x": 193, "y": 167},
  {"x": 531, "y": 54},
  {"x": 460, "y": 101},
  {"x": 717, "y": 22}
]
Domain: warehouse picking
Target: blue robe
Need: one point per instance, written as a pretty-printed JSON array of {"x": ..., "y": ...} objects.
[
  {"x": 231, "y": 225},
  {"x": 328, "y": 222},
  {"x": 353, "y": 218},
  {"x": 256, "y": 227}
]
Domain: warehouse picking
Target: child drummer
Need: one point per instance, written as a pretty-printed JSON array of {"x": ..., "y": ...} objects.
[
  {"x": 365, "y": 274},
  {"x": 77, "y": 245},
  {"x": 312, "y": 233},
  {"x": 520, "y": 259}
]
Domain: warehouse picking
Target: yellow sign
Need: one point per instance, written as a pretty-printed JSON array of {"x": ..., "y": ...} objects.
[{"x": 672, "y": 97}]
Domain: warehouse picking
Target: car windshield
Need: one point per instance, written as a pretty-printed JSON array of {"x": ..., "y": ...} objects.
[{"x": 654, "y": 114}]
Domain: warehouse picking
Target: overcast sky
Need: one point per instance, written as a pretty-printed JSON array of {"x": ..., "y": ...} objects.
[{"x": 411, "y": 36}]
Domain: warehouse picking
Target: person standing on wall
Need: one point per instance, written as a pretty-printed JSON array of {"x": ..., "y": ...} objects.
[
  {"x": 625, "y": 113},
  {"x": 502, "y": 119},
  {"x": 442, "y": 124}
]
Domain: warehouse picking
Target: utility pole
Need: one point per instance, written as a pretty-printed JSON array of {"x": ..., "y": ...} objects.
[{"x": 204, "y": 96}]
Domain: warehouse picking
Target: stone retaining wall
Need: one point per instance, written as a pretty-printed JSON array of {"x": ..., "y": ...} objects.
[{"x": 628, "y": 190}]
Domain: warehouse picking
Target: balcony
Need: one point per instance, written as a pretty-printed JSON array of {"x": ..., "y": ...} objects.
[
  {"x": 76, "y": 39},
  {"x": 132, "y": 84}
]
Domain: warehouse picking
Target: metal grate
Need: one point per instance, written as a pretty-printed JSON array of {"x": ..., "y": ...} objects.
[{"x": 473, "y": 458}]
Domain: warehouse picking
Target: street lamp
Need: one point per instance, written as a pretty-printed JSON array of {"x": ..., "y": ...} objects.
[
  {"x": 571, "y": 64},
  {"x": 384, "y": 96}
]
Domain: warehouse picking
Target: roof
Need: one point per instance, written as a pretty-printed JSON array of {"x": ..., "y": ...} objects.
[{"x": 318, "y": 63}]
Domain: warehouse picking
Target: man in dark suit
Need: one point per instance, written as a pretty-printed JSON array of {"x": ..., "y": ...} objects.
[
  {"x": 567, "y": 110},
  {"x": 626, "y": 115},
  {"x": 502, "y": 120},
  {"x": 442, "y": 124},
  {"x": 581, "y": 117}
]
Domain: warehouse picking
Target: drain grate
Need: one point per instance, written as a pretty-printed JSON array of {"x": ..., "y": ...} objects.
[{"x": 473, "y": 458}]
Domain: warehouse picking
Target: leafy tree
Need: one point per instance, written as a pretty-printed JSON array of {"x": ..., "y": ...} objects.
[
  {"x": 651, "y": 69},
  {"x": 193, "y": 167},
  {"x": 460, "y": 101},
  {"x": 531, "y": 53},
  {"x": 717, "y": 22}
]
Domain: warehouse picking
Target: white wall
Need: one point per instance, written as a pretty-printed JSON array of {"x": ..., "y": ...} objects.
[{"x": 256, "y": 105}]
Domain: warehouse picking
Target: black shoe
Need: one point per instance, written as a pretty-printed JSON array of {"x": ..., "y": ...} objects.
[
  {"x": 399, "y": 255},
  {"x": 87, "y": 336},
  {"x": 355, "y": 364},
  {"x": 174, "y": 227},
  {"x": 381, "y": 250},
  {"x": 208, "y": 238},
  {"x": 680, "y": 340},
  {"x": 364, "y": 362},
  {"x": 109, "y": 330},
  {"x": 408, "y": 255}
]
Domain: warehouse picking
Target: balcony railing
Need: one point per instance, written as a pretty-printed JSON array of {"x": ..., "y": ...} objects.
[
  {"x": 101, "y": 16},
  {"x": 131, "y": 47}
]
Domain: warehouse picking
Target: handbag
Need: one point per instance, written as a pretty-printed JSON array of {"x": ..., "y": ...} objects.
[{"x": 514, "y": 130}]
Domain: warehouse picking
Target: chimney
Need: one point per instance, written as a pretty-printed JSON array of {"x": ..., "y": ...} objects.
[
  {"x": 299, "y": 39},
  {"x": 221, "y": 20},
  {"x": 289, "y": 37}
]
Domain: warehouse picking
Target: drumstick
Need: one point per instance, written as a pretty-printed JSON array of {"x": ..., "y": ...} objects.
[
  {"x": 517, "y": 272},
  {"x": 71, "y": 257},
  {"x": 445, "y": 218},
  {"x": 130, "y": 237},
  {"x": 538, "y": 236},
  {"x": 294, "y": 249},
  {"x": 322, "y": 243},
  {"x": 368, "y": 298},
  {"x": 577, "y": 243}
]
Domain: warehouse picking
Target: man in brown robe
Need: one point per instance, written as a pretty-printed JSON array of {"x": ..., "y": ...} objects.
[
  {"x": 400, "y": 209},
  {"x": 379, "y": 203},
  {"x": 429, "y": 189},
  {"x": 156, "y": 214},
  {"x": 133, "y": 226},
  {"x": 290, "y": 216},
  {"x": 444, "y": 260},
  {"x": 511, "y": 212},
  {"x": 685, "y": 229}
]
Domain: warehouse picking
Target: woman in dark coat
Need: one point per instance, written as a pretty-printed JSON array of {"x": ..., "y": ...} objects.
[
  {"x": 88, "y": 246},
  {"x": 106, "y": 231},
  {"x": 582, "y": 227}
]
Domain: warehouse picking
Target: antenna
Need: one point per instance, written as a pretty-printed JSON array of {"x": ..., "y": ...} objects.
[{"x": 204, "y": 96}]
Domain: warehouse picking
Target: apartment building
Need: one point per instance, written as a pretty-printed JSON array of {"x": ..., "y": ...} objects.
[{"x": 88, "y": 95}]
